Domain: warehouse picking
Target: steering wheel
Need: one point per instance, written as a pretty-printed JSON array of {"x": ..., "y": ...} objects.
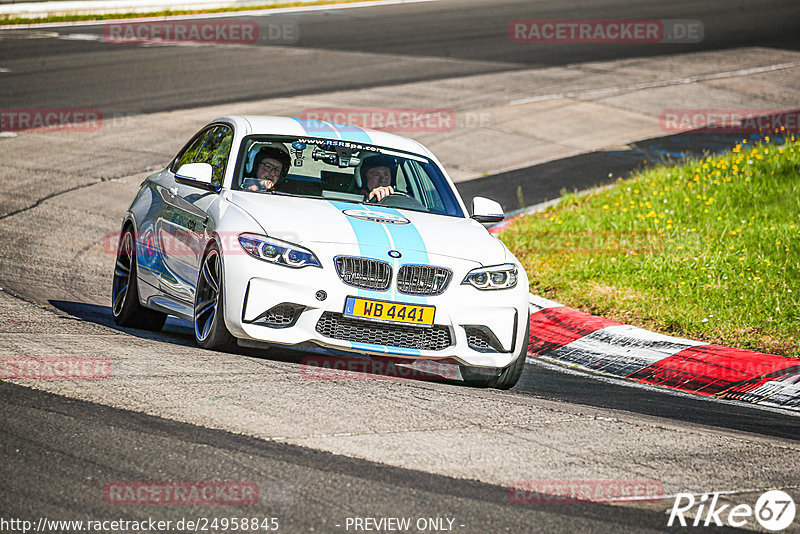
[
  {"x": 395, "y": 194},
  {"x": 400, "y": 200}
]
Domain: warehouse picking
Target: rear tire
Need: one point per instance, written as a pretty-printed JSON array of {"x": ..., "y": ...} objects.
[
  {"x": 508, "y": 377},
  {"x": 210, "y": 331},
  {"x": 125, "y": 305}
]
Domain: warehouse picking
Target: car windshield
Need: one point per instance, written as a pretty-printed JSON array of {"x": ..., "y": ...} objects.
[{"x": 342, "y": 170}]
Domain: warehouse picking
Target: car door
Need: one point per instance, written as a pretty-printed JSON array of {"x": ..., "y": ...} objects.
[{"x": 183, "y": 224}]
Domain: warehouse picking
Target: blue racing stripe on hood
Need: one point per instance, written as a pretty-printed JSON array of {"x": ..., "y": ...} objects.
[
  {"x": 367, "y": 233},
  {"x": 409, "y": 242},
  {"x": 387, "y": 236},
  {"x": 371, "y": 237},
  {"x": 403, "y": 237},
  {"x": 408, "y": 237}
]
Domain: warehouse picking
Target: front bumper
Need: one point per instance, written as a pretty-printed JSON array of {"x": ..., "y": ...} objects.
[{"x": 279, "y": 305}]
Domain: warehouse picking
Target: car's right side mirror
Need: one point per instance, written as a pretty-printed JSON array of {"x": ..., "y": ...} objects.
[{"x": 485, "y": 210}]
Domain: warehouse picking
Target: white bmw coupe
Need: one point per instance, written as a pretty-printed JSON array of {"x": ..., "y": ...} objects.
[{"x": 322, "y": 237}]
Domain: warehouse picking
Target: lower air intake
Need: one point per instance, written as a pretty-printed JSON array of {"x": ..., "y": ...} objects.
[
  {"x": 482, "y": 339},
  {"x": 337, "y": 326},
  {"x": 280, "y": 316}
]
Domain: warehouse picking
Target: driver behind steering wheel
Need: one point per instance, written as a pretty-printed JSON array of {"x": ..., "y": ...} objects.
[{"x": 378, "y": 176}]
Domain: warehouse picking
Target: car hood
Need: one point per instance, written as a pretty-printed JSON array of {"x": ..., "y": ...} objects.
[{"x": 306, "y": 221}]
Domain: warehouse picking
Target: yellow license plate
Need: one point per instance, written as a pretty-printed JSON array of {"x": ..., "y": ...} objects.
[{"x": 392, "y": 312}]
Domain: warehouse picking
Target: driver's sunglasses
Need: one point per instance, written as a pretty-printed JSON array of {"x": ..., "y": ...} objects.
[{"x": 269, "y": 168}]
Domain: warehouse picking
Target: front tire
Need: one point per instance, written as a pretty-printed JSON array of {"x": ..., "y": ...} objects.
[
  {"x": 125, "y": 305},
  {"x": 210, "y": 331}
]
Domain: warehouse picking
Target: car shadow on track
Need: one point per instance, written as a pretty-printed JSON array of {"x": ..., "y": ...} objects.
[
  {"x": 318, "y": 364},
  {"x": 175, "y": 330}
]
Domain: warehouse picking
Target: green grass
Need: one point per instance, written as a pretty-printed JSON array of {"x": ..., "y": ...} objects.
[
  {"x": 10, "y": 20},
  {"x": 708, "y": 249}
]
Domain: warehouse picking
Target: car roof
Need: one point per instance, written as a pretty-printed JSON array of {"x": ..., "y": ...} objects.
[{"x": 269, "y": 125}]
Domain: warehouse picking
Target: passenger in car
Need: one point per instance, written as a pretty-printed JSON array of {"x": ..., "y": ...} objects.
[{"x": 271, "y": 166}]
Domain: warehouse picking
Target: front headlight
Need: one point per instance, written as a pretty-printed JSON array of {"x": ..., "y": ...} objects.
[
  {"x": 495, "y": 277},
  {"x": 277, "y": 251}
]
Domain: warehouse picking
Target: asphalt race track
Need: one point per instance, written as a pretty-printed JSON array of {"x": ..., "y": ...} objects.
[
  {"x": 323, "y": 451},
  {"x": 307, "y": 490},
  {"x": 350, "y": 49}
]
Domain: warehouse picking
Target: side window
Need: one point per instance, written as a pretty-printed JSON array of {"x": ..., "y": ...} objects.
[
  {"x": 213, "y": 146},
  {"x": 191, "y": 152},
  {"x": 215, "y": 151}
]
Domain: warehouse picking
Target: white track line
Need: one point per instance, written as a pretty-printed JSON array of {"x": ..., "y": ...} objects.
[{"x": 661, "y": 83}]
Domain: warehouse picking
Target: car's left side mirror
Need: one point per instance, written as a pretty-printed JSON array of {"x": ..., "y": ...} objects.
[
  {"x": 485, "y": 210},
  {"x": 197, "y": 175}
]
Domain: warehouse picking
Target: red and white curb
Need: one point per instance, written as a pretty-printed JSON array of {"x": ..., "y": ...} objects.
[{"x": 579, "y": 340}]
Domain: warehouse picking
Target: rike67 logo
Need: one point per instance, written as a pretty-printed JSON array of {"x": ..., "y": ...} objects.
[{"x": 774, "y": 511}]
